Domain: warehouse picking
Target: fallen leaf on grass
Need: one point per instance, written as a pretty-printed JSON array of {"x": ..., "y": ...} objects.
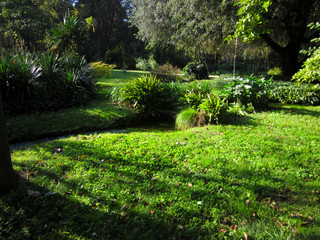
[
  {"x": 245, "y": 235},
  {"x": 32, "y": 193},
  {"x": 124, "y": 207}
]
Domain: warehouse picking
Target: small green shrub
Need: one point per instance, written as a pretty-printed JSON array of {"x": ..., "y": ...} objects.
[
  {"x": 276, "y": 71},
  {"x": 167, "y": 73},
  {"x": 149, "y": 96},
  {"x": 101, "y": 69},
  {"x": 195, "y": 93},
  {"x": 146, "y": 64},
  {"x": 214, "y": 107},
  {"x": 248, "y": 90},
  {"x": 194, "y": 70}
]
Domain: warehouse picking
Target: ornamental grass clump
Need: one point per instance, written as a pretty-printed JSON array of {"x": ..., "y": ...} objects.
[{"x": 189, "y": 118}]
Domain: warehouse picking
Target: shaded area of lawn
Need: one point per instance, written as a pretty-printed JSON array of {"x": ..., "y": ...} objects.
[
  {"x": 69, "y": 121},
  {"x": 99, "y": 114},
  {"x": 215, "y": 182}
]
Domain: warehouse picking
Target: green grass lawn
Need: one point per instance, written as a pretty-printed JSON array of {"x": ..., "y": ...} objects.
[{"x": 257, "y": 178}]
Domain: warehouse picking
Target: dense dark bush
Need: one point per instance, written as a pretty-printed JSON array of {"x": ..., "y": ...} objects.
[
  {"x": 41, "y": 82},
  {"x": 195, "y": 70}
]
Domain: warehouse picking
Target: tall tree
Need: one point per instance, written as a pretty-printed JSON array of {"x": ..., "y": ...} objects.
[
  {"x": 108, "y": 17},
  {"x": 192, "y": 25},
  {"x": 188, "y": 24},
  {"x": 8, "y": 178},
  {"x": 25, "y": 21},
  {"x": 282, "y": 24}
]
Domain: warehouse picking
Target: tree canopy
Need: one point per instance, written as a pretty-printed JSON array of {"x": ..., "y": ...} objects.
[
  {"x": 190, "y": 25},
  {"x": 282, "y": 24}
]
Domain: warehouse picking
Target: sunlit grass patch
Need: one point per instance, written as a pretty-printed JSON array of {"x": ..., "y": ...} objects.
[{"x": 259, "y": 179}]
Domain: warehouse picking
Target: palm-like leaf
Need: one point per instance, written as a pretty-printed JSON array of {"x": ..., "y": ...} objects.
[{"x": 68, "y": 35}]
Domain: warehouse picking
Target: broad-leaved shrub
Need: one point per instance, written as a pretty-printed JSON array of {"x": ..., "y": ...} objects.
[
  {"x": 307, "y": 94},
  {"x": 310, "y": 71},
  {"x": 249, "y": 90}
]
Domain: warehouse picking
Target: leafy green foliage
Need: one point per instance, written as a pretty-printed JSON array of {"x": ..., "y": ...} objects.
[
  {"x": 306, "y": 94},
  {"x": 214, "y": 107},
  {"x": 37, "y": 82},
  {"x": 101, "y": 69},
  {"x": 146, "y": 64},
  {"x": 195, "y": 93},
  {"x": 167, "y": 73},
  {"x": 310, "y": 70},
  {"x": 252, "y": 23},
  {"x": 68, "y": 36},
  {"x": 276, "y": 23},
  {"x": 149, "y": 96},
  {"x": 195, "y": 70},
  {"x": 249, "y": 90},
  {"x": 210, "y": 107}
]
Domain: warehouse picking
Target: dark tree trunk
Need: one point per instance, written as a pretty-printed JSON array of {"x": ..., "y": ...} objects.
[
  {"x": 292, "y": 24},
  {"x": 289, "y": 59},
  {"x": 8, "y": 178},
  {"x": 288, "y": 55}
]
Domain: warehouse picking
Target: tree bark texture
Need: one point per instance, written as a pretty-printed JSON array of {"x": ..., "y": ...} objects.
[{"x": 8, "y": 178}]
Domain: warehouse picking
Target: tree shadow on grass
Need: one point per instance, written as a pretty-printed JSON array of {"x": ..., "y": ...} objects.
[
  {"x": 59, "y": 216},
  {"x": 76, "y": 212},
  {"x": 123, "y": 199},
  {"x": 294, "y": 110}
]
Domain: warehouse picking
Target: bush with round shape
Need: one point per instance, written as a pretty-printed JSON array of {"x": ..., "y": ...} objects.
[{"x": 149, "y": 96}]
